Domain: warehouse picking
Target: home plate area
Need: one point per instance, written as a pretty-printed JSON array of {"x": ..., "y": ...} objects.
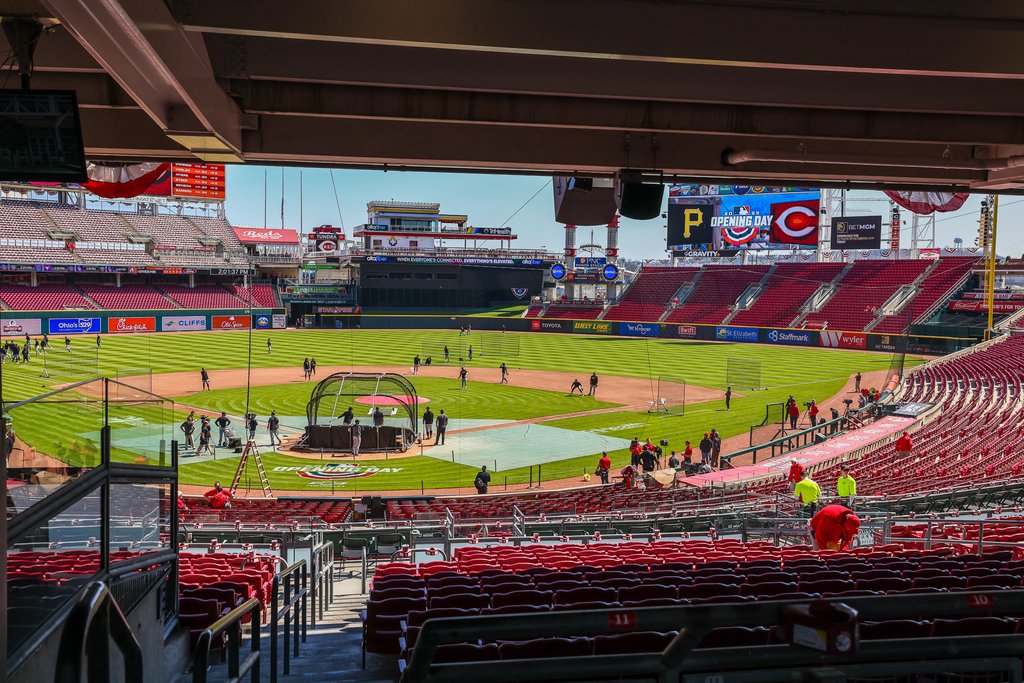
[{"x": 520, "y": 445}]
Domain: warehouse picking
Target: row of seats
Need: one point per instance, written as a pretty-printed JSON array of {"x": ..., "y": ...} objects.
[
  {"x": 256, "y": 511},
  {"x": 51, "y": 296}
]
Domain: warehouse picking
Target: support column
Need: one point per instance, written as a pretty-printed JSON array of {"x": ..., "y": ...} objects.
[
  {"x": 570, "y": 254},
  {"x": 117, "y": 280},
  {"x": 611, "y": 252}
]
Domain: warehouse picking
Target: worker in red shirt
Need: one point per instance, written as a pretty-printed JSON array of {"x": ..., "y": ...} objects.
[
  {"x": 834, "y": 527},
  {"x": 904, "y": 445},
  {"x": 813, "y": 413},
  {"x": 603, "y": 466},
  {"x": 218, "y": 497},
  {"x": 794, "y": 414},
  {"x": 795, "y": 470}
]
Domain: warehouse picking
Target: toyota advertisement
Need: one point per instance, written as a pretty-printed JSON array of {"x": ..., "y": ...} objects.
[{"x": 744, "y": 217}]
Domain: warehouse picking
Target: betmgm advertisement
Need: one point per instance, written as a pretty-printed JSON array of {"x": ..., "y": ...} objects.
[{"x": 731, "y": 218}]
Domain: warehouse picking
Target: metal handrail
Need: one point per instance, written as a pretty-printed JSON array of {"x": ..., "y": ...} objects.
[
  {"x": 232, "y": 624},
  {"x": 82, "y": 640},
  {"x": 321, "y": 584},
  {"x": 296, "y": 588}
]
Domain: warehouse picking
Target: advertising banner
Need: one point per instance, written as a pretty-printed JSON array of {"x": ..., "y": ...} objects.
[
  {"x": 279, "y": 321},
  {"x": 597, "y": 262},
  {"x": 686, "y": 331},
  {"x": 997, "y": 306},
  {"x": 892, "y": 343},
  {"x": 592, "y": 326},
  {"x": 856, "y": 232},
  {"x": 789, "y": 337},
  {"x": 338, "y": 310},
  {"x": 229, "y": 322},
  {"x": 205, "y": 181},
  {"x": 1016, "y": 296},
  {"x": 736, "y": 334},
  {"x": 266, "y": 236},
  {"x": 123, "y": 325},
  {"x": 182, "y": 323},
  {"x": 262, "y": 322},
  {"x": 75, "y": 326},
  {"x": 743, "y": 217},
  {"x": 638, "y": 329},
  {"x": 19, "y": 327},
  {"x": 549, "y": 325},
  {"x": 834, "y": 339}
]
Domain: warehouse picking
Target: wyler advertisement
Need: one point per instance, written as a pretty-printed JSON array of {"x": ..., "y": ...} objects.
[
  {"x": 789, "y": 337},
  {"x": 736, "y": 334},
  {"x": 834, "y": 339},
  {"x": 638, "y": 329},
  {"x": 75, "y": 326},
  {"x": 856, "y": 232},
  {"x": 592, "y": 326},
  {"x": 182, "y": 323}
]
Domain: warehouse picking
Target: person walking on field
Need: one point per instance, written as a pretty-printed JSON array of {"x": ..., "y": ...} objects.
[
  {"x": 270, "y": 349},
  {"x": 205, "y": 435},
  {"x": 357, "y": 437},
  {"x": 305, "y": 368},
  {"x": 463, "y": 376},
  {"x": 428, "y": 423},
  {"x": 188, "y": 428},
  {"x": 446, "y": 356},
  {"x": 253, "y": 424},
  {"x": 273, "y": 425},
  {"x": 576, "y": 386},
  {"x": 222, "y": 425},
  {"x": 856, "y": 386},
  {"x": 728, "y": 397},
  {"x": 416, "y": 364},
  {"x": 794, "y": 414},
  {"x": 504, "y": 373},
  {"x": 593, "y": 384},
  {"x": 97, "y": 341},
  {"x": 67, "y": 344},
  {"x": 312, "y": 367},
  {"x": 205, "y": 376},
  {"x": 442, "y": 427},
  {"x": 471, "y": 353},
  {"x": 483, "y": 479}
]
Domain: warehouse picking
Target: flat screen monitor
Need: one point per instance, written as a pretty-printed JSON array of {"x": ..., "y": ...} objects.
[{"x": 41, "y": 137}]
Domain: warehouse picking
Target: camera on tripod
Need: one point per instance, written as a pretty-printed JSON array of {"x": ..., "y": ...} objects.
[
  {"x": 664, "y": 443},
  {"x": 807, "y": 404},
  {"x": 848, "y": 402}
]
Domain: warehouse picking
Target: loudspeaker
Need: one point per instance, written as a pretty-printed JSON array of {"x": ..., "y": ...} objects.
[
  {"x": 584, "y": 201},
  {"x": 638, "y": 200}
]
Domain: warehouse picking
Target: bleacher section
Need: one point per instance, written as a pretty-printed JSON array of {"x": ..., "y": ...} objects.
[
  {"x": 862, "y": 292},
  {"x": 202, "y": 296},
  {"x": 936, "y": 287},
  {"x": 127, "y": 297},
  {"x": 650, "y": 294},
  {"x": 533, "y": 311},
  {"x": 263, "y": 296},
  {"x": 266, "y": 512},
  {"x": 574, "y": 311},
  {"x": 787, "y": 289},
  {"x": 47, "y": 297},
  {"x": 716, "y": 293}
]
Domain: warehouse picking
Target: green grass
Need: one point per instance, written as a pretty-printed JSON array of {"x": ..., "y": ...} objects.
[
  {"x": 478, "y": 401},
  {"x": 807, "y": 372}
]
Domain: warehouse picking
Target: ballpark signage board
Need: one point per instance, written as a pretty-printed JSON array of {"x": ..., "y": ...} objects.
[
  {"x": 266, "y": 236},
  {"x": 279, "y": 321},
  {"x": 182, "y": 323},
  {"x": 262, "y": 322},
  {"x": 75, "y": 326},
  {"x": 19, "y": 327},
  {"x": 582, "y": 262},
  {"x": 690, "y": 225},
  {"x": 997, "y": 306},
  {"x": 736, "y": 334},
  {"x": 856, "y": 232},
  {"x": 549, "y": 325},
  {"x": 789, "y": 337},
  {"x": 592, "y": 326},
  {"x": 686, "y": 331},
  {"x": 229, "y": 322},
  {"x": 122, "y": 325},
  {"x": 638, "y": 329},
  {"x": 834, "y": 339}
]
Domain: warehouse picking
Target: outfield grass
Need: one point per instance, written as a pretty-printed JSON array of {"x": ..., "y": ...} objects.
[{"x": 806, "y": 372}]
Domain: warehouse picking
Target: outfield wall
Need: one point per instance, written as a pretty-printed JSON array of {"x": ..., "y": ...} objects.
[
  {"x": 859, "y": 341},
  {"x": 60, "y": 323}
]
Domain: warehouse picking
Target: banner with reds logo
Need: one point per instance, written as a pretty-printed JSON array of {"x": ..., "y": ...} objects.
[
  {"x": 123, "y": 325},
  {"x": 266, "y": 236},
  {"x": 229, "y": 322}
]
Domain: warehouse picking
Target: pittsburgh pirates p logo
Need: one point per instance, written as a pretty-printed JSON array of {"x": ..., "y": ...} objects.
[{"x": 692, "y": 218}]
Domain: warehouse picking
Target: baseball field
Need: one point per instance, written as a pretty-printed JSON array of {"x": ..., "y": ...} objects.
[{"x": 528, "y": 428}]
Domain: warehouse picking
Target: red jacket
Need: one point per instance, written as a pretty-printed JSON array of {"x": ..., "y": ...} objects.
[
  {"x": 605, "y": 463},
  {"x": 904, "y": 444},
  {"x": 218, "y": 499},
  {"x": 794, "y": 410},
  {"x": 814, "y": 409},
  {"x": 795, "y": 470},
  {"x": 835, "y": 527}
]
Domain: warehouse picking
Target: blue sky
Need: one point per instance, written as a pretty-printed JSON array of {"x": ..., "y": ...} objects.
[{"x": 490, "y": 200}]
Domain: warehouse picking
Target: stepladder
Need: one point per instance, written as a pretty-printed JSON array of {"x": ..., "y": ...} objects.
[{"x": 251, "y": 452}]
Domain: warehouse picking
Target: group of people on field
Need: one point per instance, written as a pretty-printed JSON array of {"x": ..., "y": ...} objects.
[{"x": 202, "y": 424}]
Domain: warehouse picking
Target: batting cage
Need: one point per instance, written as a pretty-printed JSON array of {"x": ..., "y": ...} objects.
[
  {"x": 59, "y": 363},
  {"x": 669, "y": 396},
  {"x": 330, "y": 426},
  {"x": 743, "y": 373}
]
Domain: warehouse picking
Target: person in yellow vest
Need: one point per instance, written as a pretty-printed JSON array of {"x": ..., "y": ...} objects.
[
  {"x": 807, "y": 492},
  {"x": 846, "y": 487}
]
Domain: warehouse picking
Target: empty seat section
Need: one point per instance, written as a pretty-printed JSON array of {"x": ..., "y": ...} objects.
[
  {"x": 715, "y": 294},
  {"x": 650, "y": 294}
]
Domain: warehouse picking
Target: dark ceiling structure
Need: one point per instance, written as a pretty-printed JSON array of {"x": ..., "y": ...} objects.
[{"x": 893, "y": 91}]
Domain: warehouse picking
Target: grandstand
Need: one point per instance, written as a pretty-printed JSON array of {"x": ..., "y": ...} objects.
[
  {"x": 716, "y": 291},
  {"x": 786, "y": 290},
  {"x": 650, "y": 294}
]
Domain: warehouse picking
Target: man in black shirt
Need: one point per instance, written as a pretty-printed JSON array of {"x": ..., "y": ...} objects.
[
  {"x": 648, "y": 461},
  {"x": 222, "y": 425},
  {"x": 593, "y": 385},
  {"x": 576, "y": 386},
  {"x": 205, "y": 434},
  {"x": 428, "y": 423},
  {"x": 357, "y": 437},
  {"x": 446, "y": 356},
  {"x": 347, "y": 416},
  {"x": 273, "y": 425},
  {"x": 728, "y": 397},
  {"x": 483, "y": 478},
  {"x": 442, "y": 426},
  {"x": 378, "y": 417},
  {"x": 205, "y": 376},
  {"x": 504, "y": 373},
  {"x": 188, "y": 427},
  {"x": 463, "y": 375},
  {"x": 705, "y": 446},
  {"x": 252, "y": 424}
]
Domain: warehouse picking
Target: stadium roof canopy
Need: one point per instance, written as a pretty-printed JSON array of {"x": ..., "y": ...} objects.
[{"x": 902, "y": 91}]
